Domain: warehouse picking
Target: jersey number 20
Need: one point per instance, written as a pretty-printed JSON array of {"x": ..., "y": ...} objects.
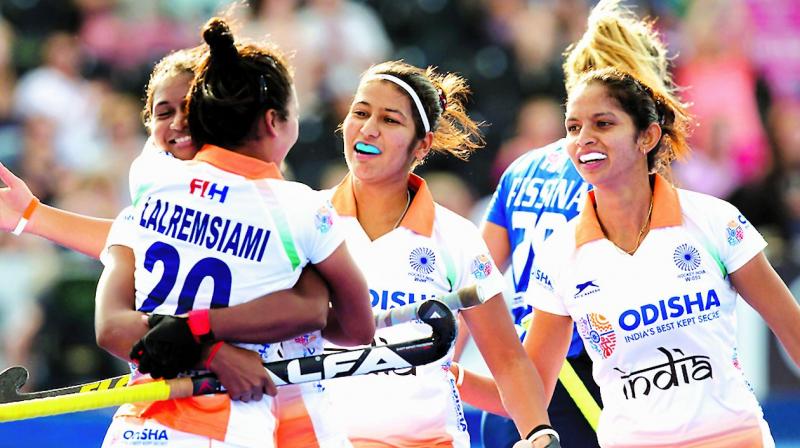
[{"x": 215, "y": 268}]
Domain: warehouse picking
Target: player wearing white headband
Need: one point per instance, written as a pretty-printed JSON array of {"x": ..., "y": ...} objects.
[{"x": 411, "y": 249}]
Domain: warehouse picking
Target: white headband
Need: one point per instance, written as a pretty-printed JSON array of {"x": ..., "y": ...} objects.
[{"x": 413, "y": 95}]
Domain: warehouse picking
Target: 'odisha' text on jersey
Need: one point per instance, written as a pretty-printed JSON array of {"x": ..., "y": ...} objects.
[
  {"x": 660, "y": 325},
  {"x": 537, "y": 193}
]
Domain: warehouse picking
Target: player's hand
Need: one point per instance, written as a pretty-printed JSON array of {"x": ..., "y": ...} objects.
[
  {"x": 546, "y": 441},
  {"x": 241, "y": 373},
  {"x": 167, "y": 349},
  {"x": 14, "y": 198}
]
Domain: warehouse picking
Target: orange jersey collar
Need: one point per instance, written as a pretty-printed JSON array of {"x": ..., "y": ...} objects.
[
  {"x": 236, "y": 163},
  {"x": 420, "y": 214},
  {"x": 666, "y": 213}
]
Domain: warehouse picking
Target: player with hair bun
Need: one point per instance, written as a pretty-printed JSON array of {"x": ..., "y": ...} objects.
[{"x": 225, "y": 229}]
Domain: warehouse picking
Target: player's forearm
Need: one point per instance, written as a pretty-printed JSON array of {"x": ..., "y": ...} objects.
[
  {"x": 350, "y": 299},
  {"x": 117, "y": 324},
  {"x": 280, "y": 316},
  {"x": 350, "y": 323},
  {"x": 83, "y": 234},
  {"x": 481, "y": 391},
  {"x": 523, "y": 395},
  {"x": 117, "y": 333},
  {"x": 334, "y": 332}
]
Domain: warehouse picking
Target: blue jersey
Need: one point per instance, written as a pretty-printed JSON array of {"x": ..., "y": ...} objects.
[{"x": 537, "y": 193}]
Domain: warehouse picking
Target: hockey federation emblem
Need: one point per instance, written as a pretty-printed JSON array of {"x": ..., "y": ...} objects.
[{"x": 422, "y": 260}]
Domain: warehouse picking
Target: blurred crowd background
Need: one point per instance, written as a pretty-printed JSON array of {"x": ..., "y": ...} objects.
[{"x": 72, "y": 77}]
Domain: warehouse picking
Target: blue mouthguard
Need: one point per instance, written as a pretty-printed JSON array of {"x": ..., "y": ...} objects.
[{"x": 366, "y": 148}]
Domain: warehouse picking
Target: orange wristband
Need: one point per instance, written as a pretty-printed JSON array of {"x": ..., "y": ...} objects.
[
  {"x": 211, "y": 354},
  {"x": 26, "y": 215}
]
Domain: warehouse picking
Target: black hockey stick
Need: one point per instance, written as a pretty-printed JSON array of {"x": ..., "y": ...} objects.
[{"x": 112, "y": 391}]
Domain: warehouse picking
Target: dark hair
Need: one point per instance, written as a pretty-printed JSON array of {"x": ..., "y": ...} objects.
[
  {"x": 646, "y": 106},
  {"x": 234, "y": 85},
  {"x": 442, "y": 97},
  {"x": 170, "y": 66}
]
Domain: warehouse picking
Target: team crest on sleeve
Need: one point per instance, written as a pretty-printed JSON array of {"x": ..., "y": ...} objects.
[
  {"x": 597, "y": 333},
  {"x": 324, "y": 218},
  {"x": 481, "y": 267},
  {"x": 735, "y": 232}
]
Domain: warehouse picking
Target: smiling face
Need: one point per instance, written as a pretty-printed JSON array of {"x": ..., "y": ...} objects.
[
  {"x": 168, "y": 125},
  {"x": 379, "y": 142},
  {"x": 602, "y": 140}
]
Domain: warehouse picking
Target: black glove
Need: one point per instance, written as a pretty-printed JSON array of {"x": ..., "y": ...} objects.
[{"x": 167, "y": 349}]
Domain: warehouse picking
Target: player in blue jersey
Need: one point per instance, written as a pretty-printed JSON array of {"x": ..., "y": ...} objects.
[{"x": 541, "y": 191}]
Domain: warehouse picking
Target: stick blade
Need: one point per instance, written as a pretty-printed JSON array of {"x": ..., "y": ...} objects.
[{"x": 11, "y": 380}]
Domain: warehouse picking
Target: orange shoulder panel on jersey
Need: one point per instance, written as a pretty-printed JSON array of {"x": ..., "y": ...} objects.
[
  {"x": 666, "y": 213},
  {"x": 421, "y": 213}
]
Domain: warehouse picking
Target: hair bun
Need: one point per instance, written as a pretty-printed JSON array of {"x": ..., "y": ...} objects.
[{"x": 219, "y": 38}]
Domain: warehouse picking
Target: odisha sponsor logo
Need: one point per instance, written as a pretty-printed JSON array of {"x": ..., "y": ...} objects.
[
  {"x": 481, "y": 267},
  {"x": 145, "y": 434},
  {"x": 597, "y": 332},
  {"x": 391, "y": 299},
  {"x": 422, "y": 260},
  {"x": 734, "y": 232},
  {"x": 672, "y": 373},
  {"x": 665, "y": 309},
  {"x": 686, "y": 257}
]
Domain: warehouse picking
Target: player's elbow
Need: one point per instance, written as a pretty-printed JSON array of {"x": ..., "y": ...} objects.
[
  {"x": 316, "y": 317},
  {"x": 363, "y": 334},
  {"x": 107, "y": 337}
]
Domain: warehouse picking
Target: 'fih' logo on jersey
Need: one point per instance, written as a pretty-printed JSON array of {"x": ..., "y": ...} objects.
[
  {"x": 586, "y": 288},
  {"x": 481, "y": 267},
  {"x": 422, "y": 260},
  {"x": 324, "y": 218},
  {"x": 677, "y": 370},
  {"x": 597, "y": 333},
  {"x": 210, "y": 190},
  {"x": 735, "y": 232}
]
